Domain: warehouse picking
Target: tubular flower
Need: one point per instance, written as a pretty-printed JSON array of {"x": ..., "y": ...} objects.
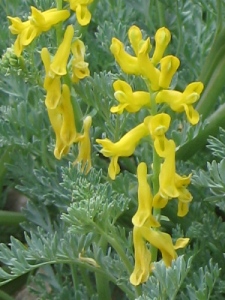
[
  {"x": 184, "y": 196},
  {"x": 169, "y": 65},
  {"x": 144, "y": 211},
  {"x": 52, "y": 83},
  {"x": 180, "y": 102},
  {"x": 84, "y": 156},
  {"x": 135, "y": 38},
  {"x": 129, "y": 100},
  {"x": 59, "y": 62},
  {"x": 162, "y": 39},
  {"x": 56, "y": 120},
  {"x": 128, "y": 63},
  {"x": 79, "y": 66},
  {"x": 38, "y": 22},
  {"x": 68, "y": 131},
  {"x": 158, "y": 126},
  {"x": 167, "y": 173},
  {"x": 161, "y": 241},
  {"x": 124, "y": 147},
  {"x": 142, "y": 266},
  {"x": 82, "y": 13}
]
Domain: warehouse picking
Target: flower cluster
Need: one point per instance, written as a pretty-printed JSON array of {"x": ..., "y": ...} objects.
[
  {"x": 58, "y": 80},
  {"x": 157, "y": 71}
]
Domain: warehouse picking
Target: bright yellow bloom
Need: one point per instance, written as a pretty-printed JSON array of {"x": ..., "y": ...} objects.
[
  {"x": 180, "y": 102},
  {"x": 79, "y": 66},
  {"x": 135, "y": 38},
  {"x": 147, "y": 69},
  {"x": 158, "y": 126},
  {"x": 59, "y": 62},
  {"x": 184, "y": 196},
  {"x": 63, "y": 123},
  {"x": 144, "y": 212},
  {"x": 56, "y": 120},
  {"x": 124, "y": 147},
  {"x": 52, "y": 83},
  {"x": 169, "y": 65},
  {"x": 82, "y": 13},
  {"x": 142, "y": 258},
  {"x": 139, "y": 65},
  {"x": 161, "y": 241},
  {"x": 114, "y": 167},
  {"x": 167, "y": 173},
  {"x": 162, "y": 39},
  {"x": 38, "y": 22},
  {"x": 128, "y": 63},
  {"x": 129, "y": 100},
  {"x": 84, "y": 156},
  {"x": 68, "y": 131}
]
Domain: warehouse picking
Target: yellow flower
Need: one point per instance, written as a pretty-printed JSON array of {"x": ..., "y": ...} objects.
[
  {"x": 147, "y": 69},
  {"x": 79, "y": 66},
  {"x": 144, "y": 212},
  {"x": 141, "y": 63},
  {"x": 56, "y": 120},
  {"x": 167, "y": 183},
  {"x": 128, "y": 63},
  {"x": 68, "y": 131},
  {"x": 135, "y": 38},
  {"x": 162, "y": 39},
  {"x": 114, "y": 167},
  {"x": 180, "y": 102},
  {"x": 169, "y": 65},
  {"x": 82, "y": 13},
  {"x": 142, "y": 266},
  {"x": 124, "y": 147},
  {"x": 52, "y": 83},
  {"x": 161, "y": 241},
  {"x": 38, "y": 22},
  {"x": 63, "y": 123},
  {"x": 84, "y": 155},
  {"x": 129, "y": 100},
  {"x": 184, "y": 196},
  {"x": 59, "y": 62},
  {"x": 158, "y": 126}
]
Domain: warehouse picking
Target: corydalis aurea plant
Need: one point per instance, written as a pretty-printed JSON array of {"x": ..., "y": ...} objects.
[
  {"x": 157, "y": 71},
  {"x": 65, "y": 67}
]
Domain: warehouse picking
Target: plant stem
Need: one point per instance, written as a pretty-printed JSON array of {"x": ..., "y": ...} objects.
[
  {"x": 11, "y": 217},
  {"x": 102, "y": 281},
  {"x": 74, "y": 278},
  {"x": 59, "y": 25},
  {"x": 5, "y": 296}
]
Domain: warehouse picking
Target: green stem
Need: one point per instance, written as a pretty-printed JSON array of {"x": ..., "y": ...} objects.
[
  {"x": 11, "y": 217},
  {"x": 102, "y": 281},
  {"x": 59, "y": 25},
  {"x": 74, "y": 278},
  {"x": 161, "y": 13},
  {"x": 215, "y": 121}
]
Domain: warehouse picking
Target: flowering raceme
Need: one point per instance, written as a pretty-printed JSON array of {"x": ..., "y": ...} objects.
[{"x": 157, "y": 71}]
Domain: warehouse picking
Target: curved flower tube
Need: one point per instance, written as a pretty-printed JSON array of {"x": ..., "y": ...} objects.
[
  {"x": 124, "y": 147},
  {"x": 144, "y": 211}
]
